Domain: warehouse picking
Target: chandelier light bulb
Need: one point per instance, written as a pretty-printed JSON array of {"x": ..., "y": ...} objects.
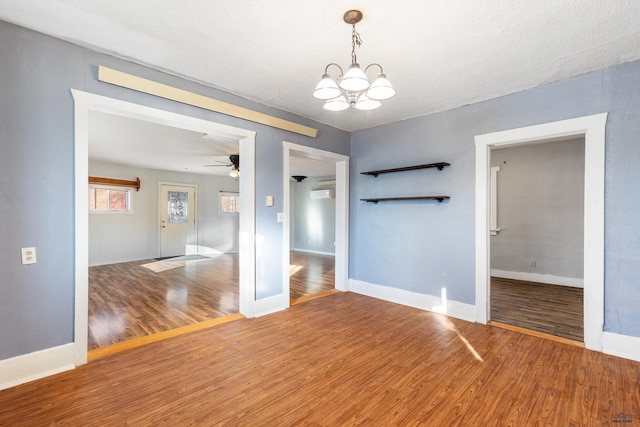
[
  {"x": 327, "y": 88},
  {"x": 354, "y": 80},
  {"x": 337, "y": 104},
  {"x": 381, "y": 89},
  {"x": 366, "y": 104}
]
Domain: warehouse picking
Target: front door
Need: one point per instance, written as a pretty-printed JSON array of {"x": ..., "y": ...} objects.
[{"x": 177, "y": 220}]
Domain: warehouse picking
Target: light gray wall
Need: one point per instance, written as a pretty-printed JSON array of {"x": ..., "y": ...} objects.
[
  {"x": 540, "y": 209},
  {"x": 37, "y": 177},
  {"x": 129, "y": 237},
  {"x": 314, "y": 220},
  {"x": 423, "y": 247}
]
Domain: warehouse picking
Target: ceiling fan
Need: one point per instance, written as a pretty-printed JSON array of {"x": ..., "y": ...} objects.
[{"x": 234, "y": 160}]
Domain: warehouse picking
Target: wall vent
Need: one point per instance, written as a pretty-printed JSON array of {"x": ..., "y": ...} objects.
[{"x": 322, "y": 194}]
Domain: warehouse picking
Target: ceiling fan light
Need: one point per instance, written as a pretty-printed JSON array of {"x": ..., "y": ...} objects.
[
  {"x": 234, "y": 173},
  {"x": 327, "y": 88},
  {"x": 365, "y": 103},
  {"x": 354, "y": 80},
  {"x": 381, "y": 89},
  {"x": 336, "y": 104}
]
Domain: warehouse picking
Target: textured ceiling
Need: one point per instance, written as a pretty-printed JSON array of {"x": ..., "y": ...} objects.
[{"x": 439, "y": 54}]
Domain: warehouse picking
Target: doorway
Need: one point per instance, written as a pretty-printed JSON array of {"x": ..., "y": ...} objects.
[
  {"x": 537, "y": 237},
  {"x": 177, "y": 213},
  {"x": 592, "y": 128},
  {"x": 338, "y": 188},
  {"x": 84, "y": 104}
]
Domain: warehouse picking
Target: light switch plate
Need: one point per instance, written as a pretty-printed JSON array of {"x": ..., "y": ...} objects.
[
  {"x": 28, "y": 255},
  {"x": 269, "y": 201}
]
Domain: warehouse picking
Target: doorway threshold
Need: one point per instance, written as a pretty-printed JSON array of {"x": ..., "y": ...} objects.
[
  {"x": 536, "y": 334},
  {"x": 313, "y": 296},
  {"x": 108, "y": 350}
]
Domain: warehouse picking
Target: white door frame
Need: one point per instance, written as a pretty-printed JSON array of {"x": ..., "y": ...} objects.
[
  {"x": 592, "y": 128},
  {"x": 85, "y": 102},
  {"x": 342, "y": 213}
]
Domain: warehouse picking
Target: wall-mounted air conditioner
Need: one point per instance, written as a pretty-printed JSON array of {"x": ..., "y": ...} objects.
[{"x": 322, "y": 194}]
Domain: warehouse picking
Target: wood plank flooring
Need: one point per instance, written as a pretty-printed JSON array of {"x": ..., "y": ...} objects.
[
  {"x": 128, "y": 301},
  {"x": 310, "y": 274},
  {"x": 342, "y": 360},
  {"x": 550, "y": 309}
]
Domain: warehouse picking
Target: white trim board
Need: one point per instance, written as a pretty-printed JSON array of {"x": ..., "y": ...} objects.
[
  {"x": 592, "y": 128},
  {"x": 313, "y": 252},
  {"x": 425, "y": 302},
  {"x": 549, "y": 279},
  {"x": 621, "y": 345},
  {"x": 39, "y": 364}
]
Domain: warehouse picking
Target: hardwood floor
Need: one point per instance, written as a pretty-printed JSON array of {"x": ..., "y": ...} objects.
[
  {"x": 345, "y": 359},
  {"x": 128, "y": 301},
  {"x": 310, "y": 274},
  {"x": 550, "y": 309}
]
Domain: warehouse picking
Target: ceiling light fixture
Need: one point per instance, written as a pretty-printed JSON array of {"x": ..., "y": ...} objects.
[
  {"x": 235, "y": 161},
  {"x": 353, "y": 88}
]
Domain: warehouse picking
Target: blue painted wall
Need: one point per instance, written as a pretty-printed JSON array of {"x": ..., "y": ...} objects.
[
  {"x": 313, "y": 221},
  {"x": 423, "y": 247},
  {"x": 37, "y": 170}
]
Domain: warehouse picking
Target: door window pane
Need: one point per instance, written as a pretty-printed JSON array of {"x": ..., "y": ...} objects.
[{"x": 177, "y": 212}]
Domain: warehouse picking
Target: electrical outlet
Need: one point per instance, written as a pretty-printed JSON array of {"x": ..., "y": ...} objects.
[
  {"x": 532, "y": 263},
  {"x": 28, "y": 255}
]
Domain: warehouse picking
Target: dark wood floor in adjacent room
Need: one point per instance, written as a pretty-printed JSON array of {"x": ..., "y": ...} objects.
[
  {"x": 550, "y": 309},
  {"x": 342, "y": 360},
  {"x": 128, "y": 301}
]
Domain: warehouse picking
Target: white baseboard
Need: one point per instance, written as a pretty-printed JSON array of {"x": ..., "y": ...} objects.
[
  {"x": 313, "y": 252},
  {"x": 539, "y": 278},
  {"x": 39, "y": 364},
  {"x": 621, "y": 345},
  {"x": 455, "y": 309}
]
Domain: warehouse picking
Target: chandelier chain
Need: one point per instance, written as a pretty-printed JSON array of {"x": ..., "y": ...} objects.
[{"x": 356, "y": 40}]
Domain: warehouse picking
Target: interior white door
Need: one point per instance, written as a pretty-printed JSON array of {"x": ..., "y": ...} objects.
[{"x": 177, "y": 220}]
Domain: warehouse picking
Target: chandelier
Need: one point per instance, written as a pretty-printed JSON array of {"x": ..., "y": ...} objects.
[{"x": 353, "y": 88}]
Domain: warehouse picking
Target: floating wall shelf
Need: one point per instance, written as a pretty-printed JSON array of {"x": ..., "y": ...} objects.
[
  {"x": 440, "y": 166},
  {"x": 393, "y": 199}
]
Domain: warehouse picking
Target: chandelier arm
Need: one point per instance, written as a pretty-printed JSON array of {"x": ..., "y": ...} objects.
[
  {"x": 326, "y": 69},
  {"x": 374, "y": 64}
]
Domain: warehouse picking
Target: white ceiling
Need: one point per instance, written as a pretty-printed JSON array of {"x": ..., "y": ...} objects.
[{"x": 439, "y": 54}]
